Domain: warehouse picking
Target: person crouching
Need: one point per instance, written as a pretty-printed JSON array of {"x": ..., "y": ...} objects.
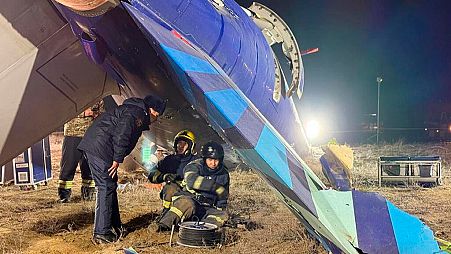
[
  {"x": 205, "y": 192},
  {"x": 170, "y": 169}
]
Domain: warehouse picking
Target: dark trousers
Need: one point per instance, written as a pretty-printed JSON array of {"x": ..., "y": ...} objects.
[
  {"x": 168, "y": 192},
  {"x": 107, "y": 207},
  {"x": 70, "y": 158},
  {"x": 185, "y": 208}
]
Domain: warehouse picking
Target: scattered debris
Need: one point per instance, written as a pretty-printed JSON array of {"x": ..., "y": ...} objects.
[{"x": 130, "y": 250}]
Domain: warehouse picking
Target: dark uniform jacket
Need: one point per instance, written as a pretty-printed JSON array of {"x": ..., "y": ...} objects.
[
  {"x": 204, "y": 183},
  {"x": 113, "y": 135},
  {"x": 171, "y": 164}
]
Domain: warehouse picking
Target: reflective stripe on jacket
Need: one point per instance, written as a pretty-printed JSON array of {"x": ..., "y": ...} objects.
[{"x": 200, "y": 180}]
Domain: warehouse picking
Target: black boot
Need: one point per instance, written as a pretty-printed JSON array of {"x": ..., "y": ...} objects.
[
  {"x": 167, "y": 220},
  {"x": 64, "y": 195},
  {"x": 162, "y": 228},
  {"x": 161, "y": 215},
  {"x": 88, "y": 193},
  {"x": 104, "y": 239}
]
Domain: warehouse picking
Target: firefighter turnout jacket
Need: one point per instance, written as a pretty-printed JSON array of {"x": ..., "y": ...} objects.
[
  {"x": 209, "y": 187},
  {"x": 171, "y": 164}
]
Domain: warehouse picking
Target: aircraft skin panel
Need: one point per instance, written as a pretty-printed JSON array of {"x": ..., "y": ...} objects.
[
  {"x": 20, "y": 32},
  {"x": 412, "y": 236},
  {"x": 213, "y": 41},
  {"x": 274, "y": 153},
  {"x": 215, "y": 117},
  {"x": 255, "y": 77},
  {"x": 253, "y": 159},
  {"x": 188, "y": 62},
  {"x": 208, "y": 83},
  {"x": 223, "y": 99},
  {"x": 336, "y": 210},
  {"x": 216, "y": 114},
  {"x": 244, "y": 137},
  {"x": 301, "y": 186},
  {"x": 335, "y": 175},
  {"x": 186, "y": 87},
  {"x": 384, "y": 228},
  {"x": 40, "y": 78},
  {"x": 299, "y": 174},
  {"x": 335, "y": 243},
  {"x": 375, "y": 235},
  {"x": 324, "y": 224}
]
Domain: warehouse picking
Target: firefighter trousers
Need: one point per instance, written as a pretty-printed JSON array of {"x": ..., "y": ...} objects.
[
  {"x": 107, "y": 216},
  {"x": 186, "y": 208},
  {"x": 168, "y": 191},
  {"x": 70, "y": 158}
]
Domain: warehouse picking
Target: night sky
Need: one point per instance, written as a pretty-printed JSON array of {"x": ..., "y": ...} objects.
[{"x": 407, "y": 42}]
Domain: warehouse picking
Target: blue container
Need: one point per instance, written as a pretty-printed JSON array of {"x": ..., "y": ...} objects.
[{"x": 34, "y": 165}]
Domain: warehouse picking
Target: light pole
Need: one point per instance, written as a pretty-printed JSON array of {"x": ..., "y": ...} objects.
[{"x": 379, "y": 81}]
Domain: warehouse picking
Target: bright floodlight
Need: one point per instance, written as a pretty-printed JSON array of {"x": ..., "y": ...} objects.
[{"x": 312, "y": 129}]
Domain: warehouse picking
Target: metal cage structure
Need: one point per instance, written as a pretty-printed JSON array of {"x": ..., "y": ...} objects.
[{"x": 410, "y": 169}]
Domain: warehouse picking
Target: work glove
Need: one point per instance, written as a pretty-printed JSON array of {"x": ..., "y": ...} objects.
[
  {"x": 169, "y": 177},
  {"x": 221, "y": 192}
]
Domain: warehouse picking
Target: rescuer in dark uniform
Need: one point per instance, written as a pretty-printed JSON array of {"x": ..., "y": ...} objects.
[
  {"x": 170, "y": 169},
  {"x": 205, "y": 192},
  {"x": 111, "y": 137}
]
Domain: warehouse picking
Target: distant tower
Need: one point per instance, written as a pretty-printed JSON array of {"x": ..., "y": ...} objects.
[{"x": 379, "y": 81}]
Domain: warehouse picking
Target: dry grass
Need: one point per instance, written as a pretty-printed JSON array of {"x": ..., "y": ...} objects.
[
  {"x": 366, "y": 156},
  {"x": 33, "y": 222},
  {"x": 431, "y": 205}
]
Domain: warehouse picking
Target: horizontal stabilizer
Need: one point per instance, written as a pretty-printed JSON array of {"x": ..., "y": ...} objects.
[{"x": 45, "y": 77}]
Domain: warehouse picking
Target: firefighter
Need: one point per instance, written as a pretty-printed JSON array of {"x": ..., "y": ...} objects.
[
  {"x": 170, "y": 169},
  {"x": 71, "y": 156},
  {"x": 205, "y": 192},
  {"x": 111, "y": 137}
]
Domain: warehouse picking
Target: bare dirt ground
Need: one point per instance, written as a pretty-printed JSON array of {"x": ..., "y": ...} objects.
[{"x": 33, "y": 222}]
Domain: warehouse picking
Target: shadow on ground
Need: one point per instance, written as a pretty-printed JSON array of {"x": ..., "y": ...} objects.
[
  {"x": 68, "y": 223},
  {"x": 140, "y": 222}
]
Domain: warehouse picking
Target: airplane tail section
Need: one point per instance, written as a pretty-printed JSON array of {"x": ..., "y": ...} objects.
[
  {"x": 371, "y": 224},
  {"x": 45, "y": 77},
  {"x": 343, "y": 221}
]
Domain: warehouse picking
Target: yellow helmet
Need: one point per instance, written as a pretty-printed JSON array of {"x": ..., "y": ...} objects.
[{"x": 187, "y": 136}]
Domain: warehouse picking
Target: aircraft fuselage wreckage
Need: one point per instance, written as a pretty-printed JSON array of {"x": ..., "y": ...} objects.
[{"x": 212, "y": 56}]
